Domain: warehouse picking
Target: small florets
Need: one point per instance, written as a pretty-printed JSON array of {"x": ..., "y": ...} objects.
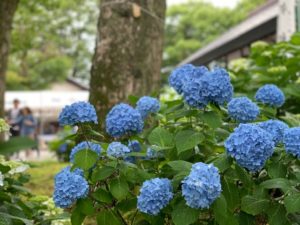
[
  {"x": 276, "y": 128},
  {"x": 69, "y": 187},
  {"x": 242, "y": 109},
  {"x": 250, "y": 145},
  {"x": 291, "y": 141},
  {"x": 147, "y": 105},
  {"x": 117, "y": 149},
  {"x": 123, "y": 120},
  {"x": 202, "y": 186},
  {"x": 78, "y": 112},
  {"x": 271, "y": 95},
  {"x": 155, "y": 194}
]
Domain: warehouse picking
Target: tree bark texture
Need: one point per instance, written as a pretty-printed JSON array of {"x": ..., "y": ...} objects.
[
  {"x": 128, "y": 53},
  {"x": 7, "y": 11}
]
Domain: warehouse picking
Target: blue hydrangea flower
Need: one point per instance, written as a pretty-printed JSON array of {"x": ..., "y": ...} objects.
[
  {"x": 85, "y": 145},
  {"x": 123, "y": 120},
  {"x": 69, "y": 187},
  {"x": 183, "y": 74},
  {"x": 215, "y": 86},
  {"x": 271, "y": 95},
  {"x": 192, "y": 95},
  {"x": 291, "y": 140},
  {"x": 117, "y": 149},
  {"x": 147, "y": 105},
  {"x": 152, "y": 154},
  {"x": 202, "y": 186},
  {"x": 242, "y": 109},
  {"x": 78, "y": 112},
  {"x": 276, "y": 128},
  {"x": 134, "y": 146},
  {"x": 155, "y": 194},
  {"x": 250, "y": 145}
]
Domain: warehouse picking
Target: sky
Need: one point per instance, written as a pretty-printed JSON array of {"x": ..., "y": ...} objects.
[{"x": 220, "y": 3}]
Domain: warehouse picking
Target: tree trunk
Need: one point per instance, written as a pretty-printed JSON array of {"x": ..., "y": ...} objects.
[
  {"x": 128, "y": 53},
  {"x": 7, "y": 10}
]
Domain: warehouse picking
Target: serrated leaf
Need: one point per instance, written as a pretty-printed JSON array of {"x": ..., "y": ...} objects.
[
  {"x": 102, "y": 173},
  {"x": 292, "y": 203},
  {"x": 221, "y": 213},
  {"x": 231, "y": 194},
  {"x": 85, "y": 159},
  {"x": 212, "y": 119},
  {"x": 180, "y": 166},
  {"x": 277, "y": 215},
  {"x": 253, "y": 205},
  {"x": 119, "y": 188},
  {"x": 187, "y": 139},
  {"x": 184, "y": 215},
  {"x": 77, "y": 217},
  {"x": 85, "y": 206},
  {"x": 108, "y": 218},
  {"x": 161, "y": 137},
  {"x": 102, "y": 196},
  {"x": 281, "y": 183}
]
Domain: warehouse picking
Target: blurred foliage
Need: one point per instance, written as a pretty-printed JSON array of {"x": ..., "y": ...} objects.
[
  {"x": 61, "y": 145},
  {"x": 277, "y": 64},
  {"x": 194, "y": 24},
  {"x": 51, "y": 39}
]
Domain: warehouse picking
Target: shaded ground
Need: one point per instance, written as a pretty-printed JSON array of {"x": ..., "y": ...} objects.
[{"x": 42, "y": 176}]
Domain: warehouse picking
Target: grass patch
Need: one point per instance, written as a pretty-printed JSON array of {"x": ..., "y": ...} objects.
[{"x": 42, "y": 176}]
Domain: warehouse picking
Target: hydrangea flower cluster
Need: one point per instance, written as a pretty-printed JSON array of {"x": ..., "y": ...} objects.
[
  {"x": 123, "y": 119},
  {"x": 78, "y": 112},
  {"x": 250, "y": 145},
  {"x": 202, "y": 186},
  {"x": 183, "y": 74},
  {"x": 216, "y": 86},
  {"x": 203, "y": 86},
  {"x": 291, "y": 140},
  {"x": 117, "y": 149},
  {"x": 155, "y": 194},
  {"x": 134, "y": 146},
  {"x": 271, "y": 95},
  {"x": 69, "y": 187},
  {"x": 152, "y": 154},
  {"x": 276, "y": 128},
  {"x": 242, "y": 109},
  {"x": 85, "y": 145},
  {"x": 147, "y": 105}
]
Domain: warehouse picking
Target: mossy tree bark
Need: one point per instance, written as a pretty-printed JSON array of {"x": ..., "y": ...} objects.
[
  {"x": 7, "y": 11},
  {"x": 128, "y": 51}
]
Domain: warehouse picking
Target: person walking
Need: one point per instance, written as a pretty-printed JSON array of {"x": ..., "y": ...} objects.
[{"x": 13, "y": 118}]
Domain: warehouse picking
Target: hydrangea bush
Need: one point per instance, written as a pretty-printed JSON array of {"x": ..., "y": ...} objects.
[{"x": 206, "y": 158}]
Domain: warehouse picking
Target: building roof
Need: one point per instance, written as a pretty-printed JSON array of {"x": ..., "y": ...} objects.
[{"x": 259, "y": 24}]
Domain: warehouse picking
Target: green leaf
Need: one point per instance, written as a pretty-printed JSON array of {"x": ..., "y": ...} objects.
[
  {"x": 77, "y": 217},
  {"x": 119, "y": 188},
  {"x": 161, "y": 137},
  {"x": 231, "y": 194},
  {"x": 243, "y": 176},
  {"x": 102, "y": 173},
  {"x": 102, "y": 196},
  {"x": 127, "y": 205},
  {"x": 187, "y": 139},
  {"x": 253, "y": 205},
  {"x": 222, "y": 162},
  {"x": 4, "y": 169},
  {"x": 212, "y": 119},
  {"x": 277, "y": 170},
  {"x": 85, "y": 159},
  {"x": 184, "y": 215},
  {"x": 108, "y": 218},
  {"x": 85, "y": 206},
  {"x": 277, "y": 215},
  {"x": 180, "y": 166},
  {"x": 221, "y": 213},
  {"x": 8, "y": 216},
  {"x": 16, "y": 144},
  {"x": 292, "y": 203},
  {"x": 281, "y": 183}
]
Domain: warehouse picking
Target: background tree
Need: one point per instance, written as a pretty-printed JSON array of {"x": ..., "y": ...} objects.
[
  {"x": 51, "y": 40},
  {"x": 194, "y": 24},
  {"x": 7, "y": 11},
  {"x": 128, "y": 52}
]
